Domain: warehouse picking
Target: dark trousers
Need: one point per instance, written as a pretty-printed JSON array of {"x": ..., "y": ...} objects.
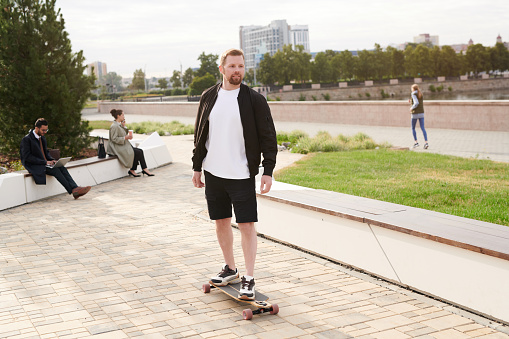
[
  {"x": 138, "y": 158},
  {"x": 63, "y": 177}
]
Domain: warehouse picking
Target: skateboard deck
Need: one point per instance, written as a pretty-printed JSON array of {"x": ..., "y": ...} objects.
[{"x": 232, "y": 290}]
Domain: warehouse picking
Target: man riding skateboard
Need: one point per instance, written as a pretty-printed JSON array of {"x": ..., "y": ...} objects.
[{"x": 233, "y": 129}]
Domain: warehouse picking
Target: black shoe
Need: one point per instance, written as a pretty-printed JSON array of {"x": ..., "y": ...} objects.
[
  {"x": 133, "y": 175},
  {"x": 226, "y": 276},
  {"x": 150, "y": 175},
  {"x": 247, "y": 289},
  {"x": 416, "y": 145},
  {"x": 426, "y": 146}
]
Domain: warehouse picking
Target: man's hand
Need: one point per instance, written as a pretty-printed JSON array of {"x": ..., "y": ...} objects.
[
  {"x": 266, "y": 184},
  {"x": 197, "y": 180},
  {"x": 51, "y": 162}
]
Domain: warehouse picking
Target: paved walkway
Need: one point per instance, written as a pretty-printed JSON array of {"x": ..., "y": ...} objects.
[{"x": 129, "y": 258}]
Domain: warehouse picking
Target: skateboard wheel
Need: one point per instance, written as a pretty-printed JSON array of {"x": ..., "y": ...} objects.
[
  {"x": 206, "y": 288},
  {"x": 274, "y": 309},
  {"x": 247, "y": 314}
]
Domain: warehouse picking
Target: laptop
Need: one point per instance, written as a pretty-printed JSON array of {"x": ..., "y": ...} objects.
[{"x": 61, "y": 162}]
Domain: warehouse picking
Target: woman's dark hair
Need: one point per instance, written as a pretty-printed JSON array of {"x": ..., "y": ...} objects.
[
  {"x": 41, "y": 122},
  {"x": 116, "y": 112}
]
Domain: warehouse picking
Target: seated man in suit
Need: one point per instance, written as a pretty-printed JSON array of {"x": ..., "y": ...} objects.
[{"x": 35, "y": 157}]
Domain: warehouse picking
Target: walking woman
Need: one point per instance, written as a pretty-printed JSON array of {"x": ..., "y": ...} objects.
[
  {"x": 120, "y": 146},
  {"x": 417, "y": 111}
]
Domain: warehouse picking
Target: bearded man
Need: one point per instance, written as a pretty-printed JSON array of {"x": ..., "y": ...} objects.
[{"x": 233, "y": 129}]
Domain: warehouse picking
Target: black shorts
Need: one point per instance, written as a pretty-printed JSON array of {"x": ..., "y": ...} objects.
[{"x": 222, "y": 193}]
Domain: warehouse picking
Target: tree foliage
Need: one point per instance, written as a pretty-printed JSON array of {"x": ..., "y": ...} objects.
[
  {"x": 200, "y": 84},
  {"x": 208, "y": 64},
  {"x": 138, "y": 82},
  {"x": 417, "y": 60},
  {"x": 40, "y": 76},
  {"x": 162, "y": 83},
  {"x": 175, "y": 79},
  {"x": 187, "y": 78}
]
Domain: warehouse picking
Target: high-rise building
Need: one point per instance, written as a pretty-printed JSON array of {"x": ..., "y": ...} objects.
[
  {"x": 255, "y": 41},
  {"x": 99, "y": 69},
  {"x": 422, "y": 38}
]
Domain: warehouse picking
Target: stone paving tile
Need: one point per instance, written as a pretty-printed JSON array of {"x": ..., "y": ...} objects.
[{"x": 128, "y": 261}]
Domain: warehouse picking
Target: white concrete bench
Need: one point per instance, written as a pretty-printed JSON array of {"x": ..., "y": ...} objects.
[
  {"x": 19, "y": 188},
  {"x": 459, "y": 260}
]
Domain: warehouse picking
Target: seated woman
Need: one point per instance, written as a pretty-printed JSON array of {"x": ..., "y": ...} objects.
[{"x": 120, "y": 146}]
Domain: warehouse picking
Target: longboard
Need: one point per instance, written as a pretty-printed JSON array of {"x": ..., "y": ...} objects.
[{"x": 260, "y": 302}]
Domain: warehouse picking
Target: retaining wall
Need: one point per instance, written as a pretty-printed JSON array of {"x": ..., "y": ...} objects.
[{"x": 482, "y": 115}]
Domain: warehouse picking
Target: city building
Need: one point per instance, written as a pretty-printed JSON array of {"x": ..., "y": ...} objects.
[
  {"x": 98, "y": 68},
  {"x": 423, "y": 38},
  {"x": 255, "y": 41}
]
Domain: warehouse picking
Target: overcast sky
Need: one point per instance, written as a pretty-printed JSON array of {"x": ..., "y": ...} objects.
[{"x": 160, "y": 35}]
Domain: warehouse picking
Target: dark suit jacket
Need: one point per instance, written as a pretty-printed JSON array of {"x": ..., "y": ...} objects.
[{"x": 32, "y": 158}]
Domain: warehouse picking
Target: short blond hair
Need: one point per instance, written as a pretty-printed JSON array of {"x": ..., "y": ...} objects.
[{"x": 232, "y": 52}]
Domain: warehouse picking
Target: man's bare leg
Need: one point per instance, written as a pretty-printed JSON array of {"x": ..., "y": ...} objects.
[
  {"x": 225, "y": 238},
  {"x": 249, "y": 245}
]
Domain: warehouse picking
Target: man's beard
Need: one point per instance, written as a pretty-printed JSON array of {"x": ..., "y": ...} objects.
[{"x": 235, "y": 81}]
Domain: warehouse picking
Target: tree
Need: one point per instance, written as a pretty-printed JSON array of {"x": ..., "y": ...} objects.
[
  {"x": 266, "y": 73},
  {"x": 302, "y": 62},
  {"x": 200, "y": 84},
  {"x": 175, "y": 79},
  {"x": 435, "y": 61},
  {"x": 249, "y": 77},
  {"x": 40, "y": 76},
  {"x": 112, "y": 80},
  {"x": 397, "y": 62},
  {"x": 450, "y": 66},
  {"x": 477, "y": 59},
  {"x": 417, "y": 61},
  {"x": 321, "y": 69},
  {"x": 499, "y": 57},
  {"x": 364, "y": 66},
  {"x": 138, "y": 82},
  {"x": 187, "y": 78},
  {"x": 208, "y": 64},
  {"x": 162, "y": 83},
  {"x": 347, "y": 64},
  {"x": 381, "y": 63}
]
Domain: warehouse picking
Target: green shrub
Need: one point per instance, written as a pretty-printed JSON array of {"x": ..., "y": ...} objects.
[
  {"x": 440, "y": 88},
  {"x": 169, "y": 128},
  {"x": 432, "y": 88},
  {"x": 449, "y": 88},
  {"x": 324, "y": 142},
  {"x": 368, "y": 95},
  {"x": 278, "y": 99},
  {"x": 384, "y": 95},
  {"x": 302, "y": 97},
  {"x": 326, "y": 96},
  {"x": 314, "y": 97}
]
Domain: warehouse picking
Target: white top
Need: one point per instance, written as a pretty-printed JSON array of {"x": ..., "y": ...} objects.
[{"x": 226, "y": 150}]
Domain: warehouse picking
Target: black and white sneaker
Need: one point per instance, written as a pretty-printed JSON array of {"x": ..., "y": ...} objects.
[
  {"x": 426, "y": 146},
  {"x": 416, "y": 145},
  {"x": 247, "y": 288},
  {"x": 226, "y": 276}
]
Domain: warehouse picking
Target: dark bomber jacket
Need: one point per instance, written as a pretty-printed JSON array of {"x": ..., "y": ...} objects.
[{"x": 258, "y": 127}]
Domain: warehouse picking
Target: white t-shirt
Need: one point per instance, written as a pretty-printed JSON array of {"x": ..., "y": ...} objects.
[{"x": 226, "y": 150}]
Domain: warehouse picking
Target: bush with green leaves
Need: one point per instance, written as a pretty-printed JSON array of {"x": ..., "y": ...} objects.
[
  {"x": 324, "y": 142},
  {"x": 432, "y": 88},
  {"x": 292, "y": 137},
  {"x": 169, "y": 128}
]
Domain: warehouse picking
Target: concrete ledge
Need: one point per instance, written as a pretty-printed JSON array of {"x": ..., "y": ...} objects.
[
  {"x": 463, "y": 261},
  {"x": 12, "y": 192},
  {"x": 19, "y": 188}
]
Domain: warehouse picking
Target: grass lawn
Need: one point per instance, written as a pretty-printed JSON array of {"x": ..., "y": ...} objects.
[
  {"x": 100, "y": 124},
  {"x": 470, "y": 188}
]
